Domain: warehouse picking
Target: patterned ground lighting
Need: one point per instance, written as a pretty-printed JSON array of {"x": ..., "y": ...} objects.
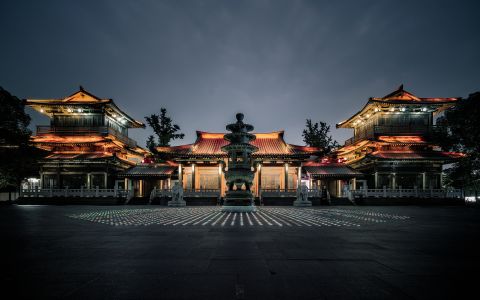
[{"x": 212, "y": 216}]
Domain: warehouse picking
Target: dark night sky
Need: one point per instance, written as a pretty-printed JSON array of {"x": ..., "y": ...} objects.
[{"x": 279, "y": 62}]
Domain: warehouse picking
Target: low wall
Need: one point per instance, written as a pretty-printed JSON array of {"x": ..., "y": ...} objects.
[
  {"x": 8, "y": 196},
  {"x": 199, "y": 201},
  {"x": 410, "y": 201},
  {"x": 69, "y": 201}
]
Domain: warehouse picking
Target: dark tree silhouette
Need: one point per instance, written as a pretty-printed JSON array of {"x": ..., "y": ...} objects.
[
  {"x": 17, "y": 156},
  {"x": 163, "y": 128},
  {"x": 151, "y": 144},
  {"x": 461, "y": 132},
  {"x": 317, "y": 135}
]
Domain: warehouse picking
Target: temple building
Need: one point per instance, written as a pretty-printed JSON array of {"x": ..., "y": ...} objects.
[
  {"x": 392, "y": 142},
  {"x": 87, "y": 140},
  {"x": 392, "y": 154},
  {"x": 198, "y": 167}
]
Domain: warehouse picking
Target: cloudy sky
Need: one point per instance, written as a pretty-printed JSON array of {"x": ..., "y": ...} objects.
[{"x": 279, "y": 62}]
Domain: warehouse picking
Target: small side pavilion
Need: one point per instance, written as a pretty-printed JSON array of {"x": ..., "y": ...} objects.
[
  {"x": 143, "y": 178},
  {"x": 336, "y": 178}
]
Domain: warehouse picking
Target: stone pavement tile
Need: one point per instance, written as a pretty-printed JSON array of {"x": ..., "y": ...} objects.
[
  {"x": 26, "y": 285},
  {"x": 353, "y": 254},
  {"x": 120, "y": 286},
  {"x": 161, "y": 265},
  {"x": 166, "y": 251},
  {"x": 237, "y": 251},
  {"x": 427, "y": 265},
  {"x": 356, "y": 267},
  {"x": 244, "y": 267},
  {"x": 306, "y": 252},
  {"x": 451, "y": 286},
  {"x": 279, "y": 287},
  {"x": 201, "y": 252},
  {"x": 359, "y": 286},
  {"x": 297, "y": 267},
  {"x": 141, "y": 286},
  {"x": 204, "y": 286}
]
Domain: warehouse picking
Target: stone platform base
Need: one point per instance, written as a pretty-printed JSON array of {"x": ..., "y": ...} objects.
[
  {"x": 177, "y": 203},
  {"x": 239, "y": 209},
  {"x": 302, "y": 203}
]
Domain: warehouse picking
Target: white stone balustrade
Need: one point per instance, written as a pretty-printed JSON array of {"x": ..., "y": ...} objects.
[
  {"x": 81, "y": 192},
  {"x": 407, "y": 193}
]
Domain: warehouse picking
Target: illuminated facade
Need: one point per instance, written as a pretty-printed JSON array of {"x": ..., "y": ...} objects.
[
  {"x": 279, "y": 167},
  {"x": 392, "y": 142},
  {"x": 391, "y": 149},
  {"x": 200, "y": 163},
  {"x": 87, "y": 139}
]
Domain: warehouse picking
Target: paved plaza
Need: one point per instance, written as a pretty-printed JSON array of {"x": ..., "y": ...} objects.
[
  {"x": 152, "y": 252},
  {"x": 213, "y": 216}
]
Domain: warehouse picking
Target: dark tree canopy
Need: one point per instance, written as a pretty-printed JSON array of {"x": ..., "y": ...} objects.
[
  {"x": 17, "y": 156},
  {"x": 462, "y": 133},
  {"x": 317, "y": 135},
  {"x": 163, "y": 128}
]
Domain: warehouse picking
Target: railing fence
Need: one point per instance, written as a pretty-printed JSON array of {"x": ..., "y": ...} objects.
[
  {"x": 81, "y": 192},
  {"x": 406, "y": 193}
]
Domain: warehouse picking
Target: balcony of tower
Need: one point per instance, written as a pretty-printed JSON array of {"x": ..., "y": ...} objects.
[{"x": 104, "y": 131}]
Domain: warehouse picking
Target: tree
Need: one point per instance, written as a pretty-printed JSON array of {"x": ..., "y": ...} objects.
[
  {"x": 163, "y": 128},
  {"x": 17, "y": 156},
  {"x": 317, "y": 135},
  {"x": 461, "y": 133},
  {"x": 151, "y": 144}
]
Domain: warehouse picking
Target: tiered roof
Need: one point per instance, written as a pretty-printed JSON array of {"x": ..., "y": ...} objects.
[
  {"x": 399, "y": 97},
  {"x": 80, "y": 99},
  {"x": 416, "y": 155},
  {"x": 87, "y": 143},
  {"x": 330, "y": 169},
  {"x": 270, "y": 144},
  {"x": 150, "y": 170}
]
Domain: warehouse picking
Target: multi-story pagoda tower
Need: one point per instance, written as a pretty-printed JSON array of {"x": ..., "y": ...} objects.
[
  {"x": 392, "y": 143},
  {"x": 240, "y": 173},
  {"x": 87, "y": 139}
]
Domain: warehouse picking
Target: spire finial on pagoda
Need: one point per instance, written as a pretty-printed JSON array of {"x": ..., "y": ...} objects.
[
  {"x": 239, "y": 117},
  {"x": 400, "y": 88},
  {"x": 82, "y": 89}
]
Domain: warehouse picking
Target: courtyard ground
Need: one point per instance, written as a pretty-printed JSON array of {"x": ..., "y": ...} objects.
[{"x": 152, "y": 252}]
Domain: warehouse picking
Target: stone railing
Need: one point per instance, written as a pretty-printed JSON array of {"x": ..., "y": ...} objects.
[
  {"x": 407, "y": 193},
  {"x": 377, "y": 130},
  {"x": 196, "y": 193},
  {"x": 281, "y": 193},
  {"x": 81, "y": 192},
  {"x": 85, "y": 131}
]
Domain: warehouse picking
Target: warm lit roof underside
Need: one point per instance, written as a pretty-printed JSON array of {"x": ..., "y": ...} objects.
[
  {"x": 81, "y": 97},
  {"x": 318, "y": 169},
  {"x": 151, "y": 170},
  {"x": 271, "y": 143},
  {"x": 398, "y": 97},
  {"x": 415, "y": 155}
]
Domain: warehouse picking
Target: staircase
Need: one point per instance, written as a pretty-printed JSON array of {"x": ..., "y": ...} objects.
[
  {"x": 340, "y": 201},
  {"x": 138, "y": 201}
]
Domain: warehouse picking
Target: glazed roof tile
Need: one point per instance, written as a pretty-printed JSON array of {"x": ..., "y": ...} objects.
[
  {"x": 331, "y": 170},
  {"x": 149, "y": 170},
  {"x": 271, "y": 143},
  {"x": 412, "y": 155},
  {"x": 399, "y": 97},
  {"x": 78, "y": 156}
]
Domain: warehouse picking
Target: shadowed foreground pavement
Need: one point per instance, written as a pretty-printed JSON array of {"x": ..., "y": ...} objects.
[{"x": 72, "y": 252}]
